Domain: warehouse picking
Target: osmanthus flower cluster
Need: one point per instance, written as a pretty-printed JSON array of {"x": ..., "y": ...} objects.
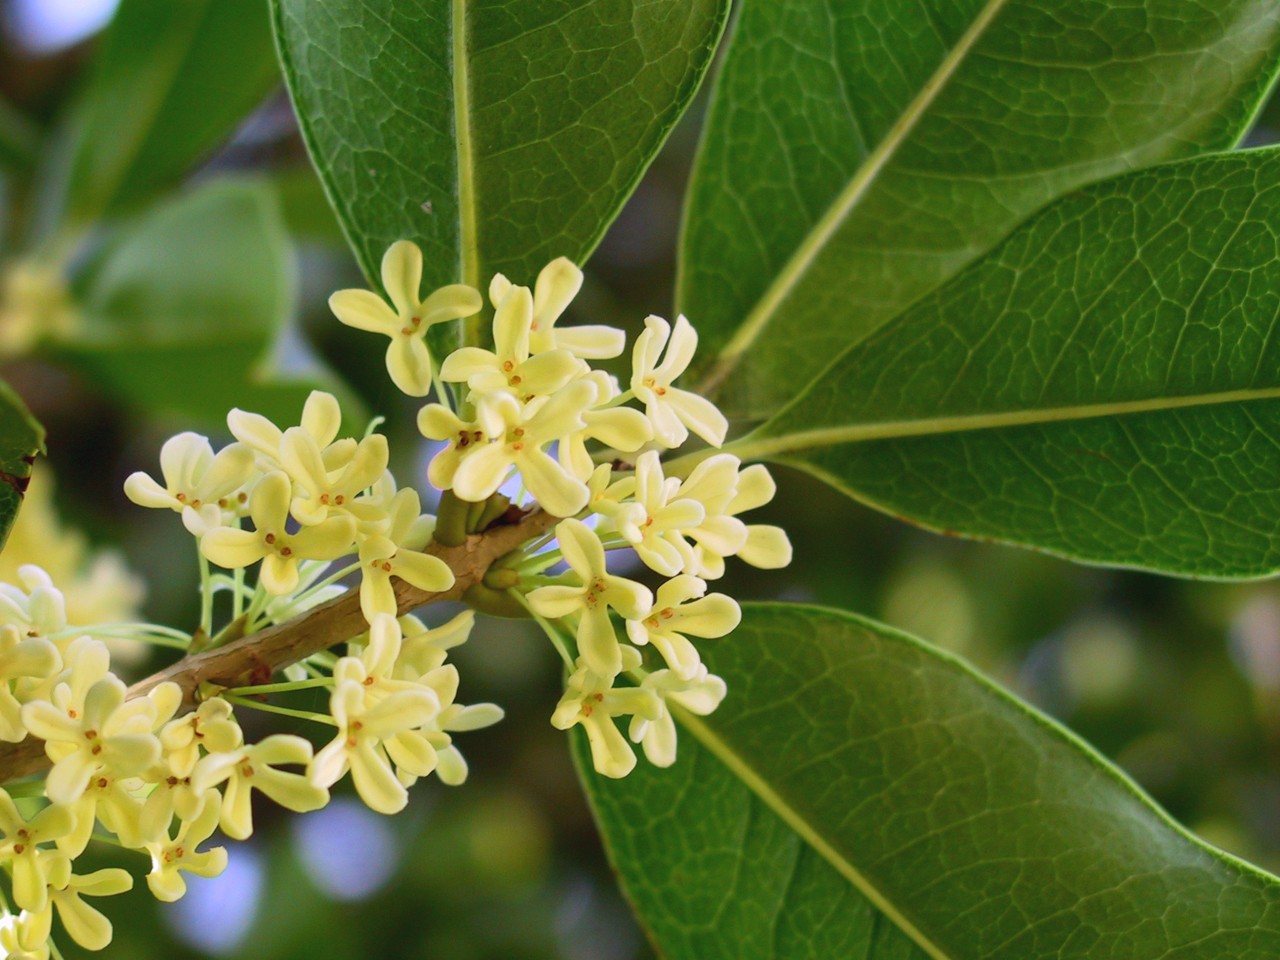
[
  {"x": 530, "y": 411},
  {"x": 286, "y": 518}
]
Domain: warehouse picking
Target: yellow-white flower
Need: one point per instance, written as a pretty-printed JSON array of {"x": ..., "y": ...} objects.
[
  {"x": 408, "y": 359},
  {"x": 321, "y": 488},
  {"x": 600, "y": 591},
  {"x": 197, "y": 483},
  {"x": 363, "y": 725},
  {"x": 592, "y": 700},
  {"x": 171, "y": 857},
  {"x": 20, "y": 849},
  {"x": 107, "y": 734},
  {"x": 508, "y": 369},
  {"x": 26, "y": 935},
  {"x": 618, "y": 428},
  {"x": 84, "y": 924},
  {"x": 674, "y": 412},
  {"x": 111, "y": 800},
  {"x": 766, "y": 546},
  {"x": 21, "y": 658},
  {"x": 681, "y": 609},
  {"x": 422, "y": 649},
  {"x": 36, "y": 607},
  {"x": 656, "y": 528},
  {"x": 211, "y": 726},
  {"x": 699, "y": 695},
  {"x": 85, "y": 661},
  {"x": 321, "y": 420},
  {"x": 398, "y": 552},
  {"x": 557, "y": 284},
  {"x": 429, "y": 748},
  {"x": 438, "y": 422},
  {"x": 520, "y": 434},
  {"x": 725, "y": 492},
  {"x": 272, "y": 543},
  {"x": 253, "y": 768}
]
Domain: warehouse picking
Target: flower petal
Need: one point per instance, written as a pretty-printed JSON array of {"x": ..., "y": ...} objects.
[
  {"x": 364, "y": 310},
  {"x": 409, "y": 364},
  {"x": 402, "y": 275}
]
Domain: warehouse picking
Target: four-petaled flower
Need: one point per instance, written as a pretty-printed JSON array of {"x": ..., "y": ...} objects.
[
  {"x": 397, "y": 551},
  {"x": 674, "y": 412},
  {"x": 407, "y": 321},
  {"x": 681, "y": 609},
  {"x": 591, "y": 700},
  {"x": 198, "y": 483},
  {"x": 253, "y": 767},
  {"x": 107, "y": 734},
  {"x": 171, "y": 857},
  {"x": 272, "y": 543},
  {"x": 599, "y": 592}
]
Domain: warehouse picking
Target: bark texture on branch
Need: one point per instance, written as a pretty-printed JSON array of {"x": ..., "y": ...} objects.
[{"x": 253, "y": 659}]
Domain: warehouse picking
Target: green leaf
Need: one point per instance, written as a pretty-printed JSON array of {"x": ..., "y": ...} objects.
[
  {"x": 305, "y": 208},
  {"x": 18, "y": 138},
  {"x": 858, "y": 154},
  {"x": 1105, "y": 385},
  {"x": 170, "y": 82},
  {"x": 496, "y": 135},
  {"x": 21, "y": 440},
  {"x": 861, "y": 794},
  {"x": 186, "y": 312}
]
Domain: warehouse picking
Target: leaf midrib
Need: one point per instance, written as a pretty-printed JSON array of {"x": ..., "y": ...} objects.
[
  {"x": 760, "y": 787},
  {"x": 766, "y": 307},
  {"x": 468, "y": 251},
  {"x": 753, "y": 446}
]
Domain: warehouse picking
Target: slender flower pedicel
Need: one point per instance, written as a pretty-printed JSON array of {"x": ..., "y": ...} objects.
[{"x": 286, "y": 519}]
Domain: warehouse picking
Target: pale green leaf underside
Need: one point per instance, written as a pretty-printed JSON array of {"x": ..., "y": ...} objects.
[
  {"x": 859, "y": 153},
  {"x": 183, "y": 312},
  {"x": 496, "y": 134},
  {"x": 1104, "y": 385},
  {"x": 860, "y": 794}
]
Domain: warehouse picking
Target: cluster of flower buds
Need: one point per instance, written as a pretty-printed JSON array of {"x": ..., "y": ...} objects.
[{"x": 291, "y": 515}]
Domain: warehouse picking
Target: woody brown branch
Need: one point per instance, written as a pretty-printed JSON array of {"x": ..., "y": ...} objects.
[{"x": 253, "y": 659}]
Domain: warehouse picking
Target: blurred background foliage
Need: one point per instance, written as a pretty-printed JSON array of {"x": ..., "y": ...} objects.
[{"x": 166, "y": 253}]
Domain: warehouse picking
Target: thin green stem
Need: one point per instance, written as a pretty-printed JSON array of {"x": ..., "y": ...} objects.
[
  {"x": 551, "y": 630},
  {"x": 256, "y": 604},
  {"x": 154, "y": 640},
  {"x": 206, "y": 595},
  {"x": 237, "y": 593},
  {"x": 282, "y": 711},
  {"x": 329, "y": 580},
  {"x": 617, "y": 401},
  {"x": 287, "y": 686}
]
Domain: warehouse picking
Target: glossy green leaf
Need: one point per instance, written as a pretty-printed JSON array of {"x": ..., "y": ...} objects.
[
  {"x": 859, "y": 153},
  {"x": 861, "y": 794},
  {"x": 187, "y": 311},
  {"x": 21, "y": 439},
  {"x": 1104, "y": 385},
  {"x": 496, "y": 135},
  {"x": 170, "y": 82}
]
